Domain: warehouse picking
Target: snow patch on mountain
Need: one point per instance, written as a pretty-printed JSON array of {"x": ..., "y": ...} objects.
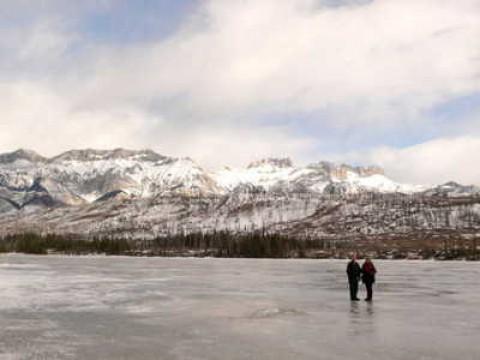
[
  {"x": 281, "y": 173},
  {"x": 263, "y": 173},
  {"x": 80, "y": 177},
  {"x": 378, "y": 183},
  {"x": 141, "y": 193}
]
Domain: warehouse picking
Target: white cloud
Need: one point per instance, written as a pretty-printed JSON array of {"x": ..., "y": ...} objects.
[
  {"x": 43, "y": 42},
  {"x": 225, "y": 146},
  {"x": 432, "y": 162},
  {"x": 35, "y": 117},
  {"x": 201, "y": 91},
  {"x": 269, "y": 55}
]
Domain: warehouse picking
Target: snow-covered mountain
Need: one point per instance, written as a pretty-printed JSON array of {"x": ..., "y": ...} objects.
[
  {"x": 281, "y": 174},
  {"x": 453, "y": 189},
  {"x": 84, "y": 176},
  {"x": 142, "y": 193}
]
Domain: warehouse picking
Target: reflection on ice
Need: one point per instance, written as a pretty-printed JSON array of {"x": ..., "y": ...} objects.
[
  {"x": 154, "y": 308},
  {"x": 272, "y": 312}
]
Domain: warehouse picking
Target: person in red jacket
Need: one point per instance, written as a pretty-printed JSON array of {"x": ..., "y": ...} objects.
[{"x": 368, "y": 277}]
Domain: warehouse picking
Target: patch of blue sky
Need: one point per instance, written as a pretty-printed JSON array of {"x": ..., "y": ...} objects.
[
  {"x": 456, "y": 109},
  {"x": 449, "y": 118},
  {"x": 334, "y": 137},
  {"x": 128, "y": 21}
]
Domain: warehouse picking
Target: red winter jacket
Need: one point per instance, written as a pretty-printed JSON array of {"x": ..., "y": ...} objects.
[{"x": 368, "y": 272}]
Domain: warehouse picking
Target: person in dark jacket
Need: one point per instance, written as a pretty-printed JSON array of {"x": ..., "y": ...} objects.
[
  {"x": 353, "y": 273},
  {"x": 368, "y": 277}
]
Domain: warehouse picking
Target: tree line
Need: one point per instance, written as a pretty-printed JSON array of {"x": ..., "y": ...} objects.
[
  {"x": 218, "y": 244},
  {"x": 256, "y": 244}
]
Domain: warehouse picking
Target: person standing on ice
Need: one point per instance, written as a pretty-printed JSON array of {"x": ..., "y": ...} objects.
[
  {"x": 353, "y": 273},
  {"x": 368, "y": 277}
]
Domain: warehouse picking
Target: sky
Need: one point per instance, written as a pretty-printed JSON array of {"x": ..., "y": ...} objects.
[{"x": 395, "y": 83}]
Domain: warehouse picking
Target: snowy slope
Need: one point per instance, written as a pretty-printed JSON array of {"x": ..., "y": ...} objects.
[
  {"x": 377, "y": 182},
  {"x": 94, "y": 177},
  {"x": 281, "y": 173},
  {"x": 266, "y": 173},
  {"x": 453, "y": 189},
  {"x": 141, "y": 193},
  {"x": 79, "y": 177}
]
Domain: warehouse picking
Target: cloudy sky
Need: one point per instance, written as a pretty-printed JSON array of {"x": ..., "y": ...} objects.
[{"x": 390, "y": 82}]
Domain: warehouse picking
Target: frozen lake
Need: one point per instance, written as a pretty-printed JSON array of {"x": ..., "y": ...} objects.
[{"x": 159, "y": 308}]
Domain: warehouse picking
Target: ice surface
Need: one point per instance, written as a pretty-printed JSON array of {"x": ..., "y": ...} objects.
[{"x": 158, "y": 308}]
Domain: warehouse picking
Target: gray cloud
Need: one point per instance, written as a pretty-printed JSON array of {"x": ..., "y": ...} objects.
[{"x": 370, "y": 66}]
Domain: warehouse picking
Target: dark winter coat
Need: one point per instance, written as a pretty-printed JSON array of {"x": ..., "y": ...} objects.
[
  {"x": 353, "y": 271},
  {"x": 368, "y": 273}
]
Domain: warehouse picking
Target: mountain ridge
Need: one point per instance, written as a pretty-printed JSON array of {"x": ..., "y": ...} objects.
[
  {"x": 133, "y": 192},
  {"x": 90, "y": 154},
  {"x": 89, "y": 174}
]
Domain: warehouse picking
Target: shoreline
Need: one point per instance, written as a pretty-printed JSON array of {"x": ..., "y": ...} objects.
[{"x": 105, "y": 256}]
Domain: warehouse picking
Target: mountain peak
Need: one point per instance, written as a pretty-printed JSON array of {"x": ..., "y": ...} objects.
[
  {"x": 369, "y": 170},
  {"x": 275, "y": 162},
  {"x": 451, "y": 184},
  {"x": 21, "y": 154},
  {"x": 341, "y": 170},
  {"x": 119, "y": 153}
]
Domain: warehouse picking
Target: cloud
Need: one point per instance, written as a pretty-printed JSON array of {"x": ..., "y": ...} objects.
[
  {"x": 251, "y": 55},
  {"x": 370, "y": 68},
  {"x": 45, "y": 43},
  {"x": 35, "y": 117},
  {"x": 225, "y": 146},
  {"x": 432, "y": 162},
  {"x": 31, "y": 112}
]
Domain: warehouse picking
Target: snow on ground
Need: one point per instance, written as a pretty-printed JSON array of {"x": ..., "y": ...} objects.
[{"x": 60, "y": 307}]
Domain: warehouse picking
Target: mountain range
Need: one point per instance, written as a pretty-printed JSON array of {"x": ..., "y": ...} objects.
[{"x": 132, "y": 192}]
